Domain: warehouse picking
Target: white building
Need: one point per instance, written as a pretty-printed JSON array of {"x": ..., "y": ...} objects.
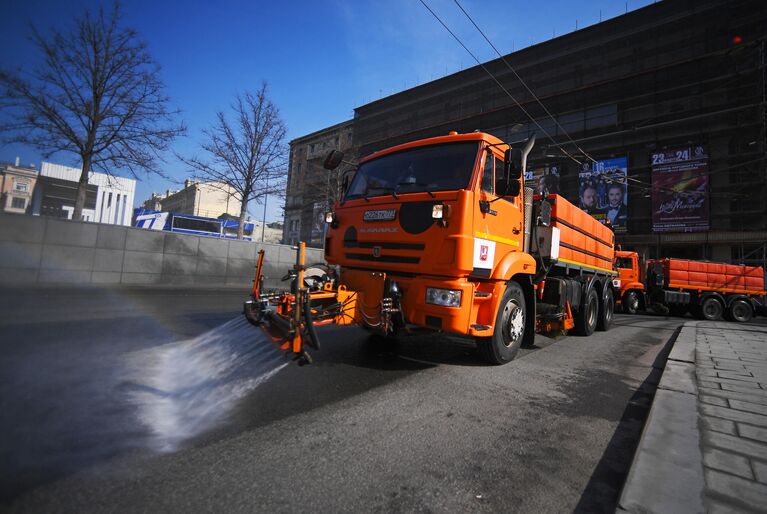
[{"x": 114, "y": 195}]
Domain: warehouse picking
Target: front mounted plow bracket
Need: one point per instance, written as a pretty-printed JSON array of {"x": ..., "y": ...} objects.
[{"x": 289, "y": 318}]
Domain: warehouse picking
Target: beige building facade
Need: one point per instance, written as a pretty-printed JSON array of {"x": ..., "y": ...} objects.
[
  {"x": 209, "y": 199},
  {"x": 311, "y": 189},
  {"x": 17, "y": 183}
]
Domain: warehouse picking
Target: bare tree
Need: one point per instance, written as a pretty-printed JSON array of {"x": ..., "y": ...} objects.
[
  {"x": 247, "y": 156},
  {"x": 97, "y": 95}
]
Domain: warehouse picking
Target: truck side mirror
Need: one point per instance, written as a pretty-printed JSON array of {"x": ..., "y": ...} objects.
[
  {"x": 333, "y": 159},
  {"x": 513, "y": 163},
  {"x": 514, "y": 188}
]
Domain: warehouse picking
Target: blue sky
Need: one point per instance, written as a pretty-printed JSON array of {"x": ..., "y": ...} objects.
[{"x": 321, "y": 58}]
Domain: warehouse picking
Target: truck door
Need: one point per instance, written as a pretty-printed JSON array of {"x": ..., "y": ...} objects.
[{"x": 498, "y": 227}]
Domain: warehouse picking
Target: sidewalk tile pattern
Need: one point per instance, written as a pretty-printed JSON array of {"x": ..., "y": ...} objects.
[{"x": 731, "y": 371}]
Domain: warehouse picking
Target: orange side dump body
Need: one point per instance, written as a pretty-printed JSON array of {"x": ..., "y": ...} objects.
[
  {"x": 713, "y": 276},
  {"x": 582, "y": 239}
]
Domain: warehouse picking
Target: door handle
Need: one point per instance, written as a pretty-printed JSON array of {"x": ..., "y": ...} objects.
[{"x": 484, "y": 207}]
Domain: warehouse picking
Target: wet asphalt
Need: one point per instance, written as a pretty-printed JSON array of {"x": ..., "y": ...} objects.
[{"x": 158, "y": 400}]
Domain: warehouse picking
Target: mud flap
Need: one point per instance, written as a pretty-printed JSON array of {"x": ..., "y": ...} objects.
[{"x": 528, "y": 339}]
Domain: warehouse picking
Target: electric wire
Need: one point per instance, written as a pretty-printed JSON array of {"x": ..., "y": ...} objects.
[
  {"x": 511, "y": 68},
  {"x": 650, "y": 186},
  {"x": 624, "y": 179},
  {"x": 558, "y": 145},
  {"x": 556, "y": 122}
]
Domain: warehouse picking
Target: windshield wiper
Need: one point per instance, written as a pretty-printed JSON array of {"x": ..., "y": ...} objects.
[
  {"x": 417, "y": 184},
  {"x": 389, "y": 190}
]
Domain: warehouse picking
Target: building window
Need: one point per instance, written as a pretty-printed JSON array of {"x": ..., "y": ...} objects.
[
  {"x": 19, "y": 203},
  {"x": 21, "y": 187}
]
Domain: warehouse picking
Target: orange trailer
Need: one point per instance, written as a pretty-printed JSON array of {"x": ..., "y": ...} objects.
[
  {"x": 583, "y": 240},
  {"x": 711, "y": 276}
]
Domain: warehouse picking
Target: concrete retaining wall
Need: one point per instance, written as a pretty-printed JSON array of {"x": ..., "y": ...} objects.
[{"x": 40, "y": 250}]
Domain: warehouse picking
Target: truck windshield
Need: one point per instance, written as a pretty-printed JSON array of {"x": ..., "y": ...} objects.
[
  {"x": 442, "y": 167},
  {"x": 623, "y": 263}
]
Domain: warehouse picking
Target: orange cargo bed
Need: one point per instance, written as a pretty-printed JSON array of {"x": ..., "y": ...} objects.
[
  {"x": 713, "y": 276},
  {"x": 582, "y": 239}
]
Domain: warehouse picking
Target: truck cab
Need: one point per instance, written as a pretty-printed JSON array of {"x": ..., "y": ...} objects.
[
  {"x": 629, "y": 281},
  {"x": 438, "y": 226}
]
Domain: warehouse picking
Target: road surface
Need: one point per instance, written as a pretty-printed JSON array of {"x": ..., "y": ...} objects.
[{"x": 167, "y": 401}]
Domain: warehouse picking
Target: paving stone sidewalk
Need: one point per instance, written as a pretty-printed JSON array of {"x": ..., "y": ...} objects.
[{"x": 704, "y": 446}]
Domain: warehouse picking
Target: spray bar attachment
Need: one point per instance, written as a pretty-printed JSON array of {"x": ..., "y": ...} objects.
[{"x": 290, "y": 318}]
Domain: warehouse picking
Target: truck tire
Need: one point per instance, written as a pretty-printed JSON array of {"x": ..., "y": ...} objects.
[
  {"x": 509, "y": 331},
  {"x": 586, "y": 319},
  {"x": 630, "y": 302},
  {"x": 741, "y": 311},
  {"x": 711, "y": 309},
  {"x": 606, "y": 309}
]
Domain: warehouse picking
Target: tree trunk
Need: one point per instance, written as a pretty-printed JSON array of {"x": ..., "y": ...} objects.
[
  {"x": 243, "y": 213},
  {"x": 82, "y": 189}
]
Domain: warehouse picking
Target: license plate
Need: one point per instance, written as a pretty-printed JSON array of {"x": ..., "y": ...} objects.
[{"x": 382, "y": 215}]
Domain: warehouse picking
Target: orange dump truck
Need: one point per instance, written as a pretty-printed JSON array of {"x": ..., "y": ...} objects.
[
  {"x": 439, "y": 234},
  {"x": 709, "y": 290}
]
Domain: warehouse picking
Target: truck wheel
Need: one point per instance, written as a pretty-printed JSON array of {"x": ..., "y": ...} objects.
[
  {"x": 586, "y": 319},
  {"x": 509, "y": 331},
  {"x": 606, "y": 311},
  {"x": 741, "y": 311},
  {"x": 711, "y": 309},
  {"x": 630, "y": 302}
]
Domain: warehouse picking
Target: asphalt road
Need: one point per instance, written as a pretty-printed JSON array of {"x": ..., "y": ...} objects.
[{"x": 167, "y": 401}]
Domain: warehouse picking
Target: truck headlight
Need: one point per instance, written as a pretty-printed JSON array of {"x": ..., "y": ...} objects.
[
  {"x": 444, "y": 297},
  {"x": 331, "y": 218},
  {"x": 437, "y": 211}
]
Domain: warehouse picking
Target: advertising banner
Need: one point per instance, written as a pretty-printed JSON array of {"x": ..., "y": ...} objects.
[
  {"x": 318, "y": 223},
  {"x": 680, "y": 190},
  {"x": 603, "y": 192},
  {"x": 543, "y": 177}
]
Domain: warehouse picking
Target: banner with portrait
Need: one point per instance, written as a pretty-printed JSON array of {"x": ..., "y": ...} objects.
[
  {"x": 545, "y": 177},
  {"x": 603, "y": 192},
  {"x": 680, "y": 190}
]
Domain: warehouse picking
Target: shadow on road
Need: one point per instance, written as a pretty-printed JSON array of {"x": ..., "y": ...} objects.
[{"x": 603, "y": 490}]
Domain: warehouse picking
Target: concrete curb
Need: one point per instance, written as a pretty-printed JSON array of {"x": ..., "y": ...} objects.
[{"x": 667, "y": 471}]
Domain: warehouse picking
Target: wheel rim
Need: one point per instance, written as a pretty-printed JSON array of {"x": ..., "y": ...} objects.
[
  {"x": 592, "y": 313},
  {"x": 632, "y": 301},
  {"x": 711, "y": 309},
  {"x": 513, "y": 322},
  {"x": 609, "y": 308},
  {"x": 739, "y": 311}
]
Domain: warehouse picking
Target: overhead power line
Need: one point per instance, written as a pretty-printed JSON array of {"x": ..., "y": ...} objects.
[
  {"x": 511, "y": 68},
  {"x": 558, "y": 145}
]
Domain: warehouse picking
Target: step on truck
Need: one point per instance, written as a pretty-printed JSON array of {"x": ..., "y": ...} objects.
[
  {"x": 439, "y": 234},
  {"x": 708, "y": 290}
]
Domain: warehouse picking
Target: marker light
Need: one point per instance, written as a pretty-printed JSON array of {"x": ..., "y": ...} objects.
[
  {"x": 437, "y": 211},
  {"x": 330, "y": 216},
  {"x": 444, "y": 297}
]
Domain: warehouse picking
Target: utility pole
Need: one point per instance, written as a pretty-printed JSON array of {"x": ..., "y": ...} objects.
[{"x": 266, "y": 198}]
